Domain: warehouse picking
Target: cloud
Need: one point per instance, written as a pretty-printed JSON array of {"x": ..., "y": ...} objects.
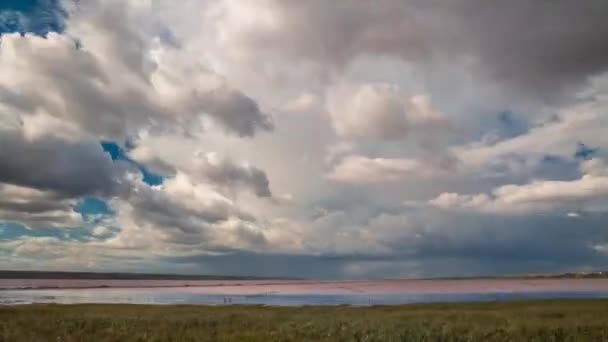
[
  {"x": 330, "y": 33},
  {"x": 587, "y": 193},
  {"x": 180, "y": 211},
  {"x": 70, "y": 169},
  {"x": 101, "y": 231},
  {"x": 519, "y": 45},
  {"x": 360, "y": 170},
  {"x": 225, "y": 172},
  {"x": 380, "y": 111},
  {"x": 559, "y": 137},
  {"x": 305, "y": 102},
  {"x": 107, "y": 77},
  {"x": 192, "y": 89},
  {"x": 36, "y": 209},
  {"x": 207, "y": 167}
]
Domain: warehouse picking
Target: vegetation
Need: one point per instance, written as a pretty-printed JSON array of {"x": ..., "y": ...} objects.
[{"x": 576, "y": 320}]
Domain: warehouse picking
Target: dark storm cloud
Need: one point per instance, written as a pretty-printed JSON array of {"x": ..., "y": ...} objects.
[
  {"x": 540, "y": 46},
  {"x": 457, "y": 246},
  {"x": 265, "y": 265},
  {"x": 483, "y": 237},
  {"x": 543, "y": 47}
]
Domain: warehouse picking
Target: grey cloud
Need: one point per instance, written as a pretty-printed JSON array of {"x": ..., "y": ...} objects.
[
  {"x": 539, "y": 46},
  {"x": 542, "y": 47},
  {"x": 265, "y": 265},
  {"x": 516, "y": 240},
  {"x": 71, "y": 169},
  {"x": 226, "y": 172},
  {"x": 155, "y": 206},
  {"x": 459, "y": 246},
  {"x": 235, "y": 111},
  {"x": 37, "y": 209}
]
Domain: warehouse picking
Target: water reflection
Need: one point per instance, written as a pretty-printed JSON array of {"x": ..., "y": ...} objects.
[{"x": 192, "y": 296}]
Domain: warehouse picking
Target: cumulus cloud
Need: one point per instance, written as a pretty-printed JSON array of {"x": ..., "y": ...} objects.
[
  {"x": 380, "y": 111},
  {"x": 207, "y": 167},
  {"x": 106, "y": 76},
  {"x": 101, "y": 231},
  {"x": 359, "y": 170},
  {"x": 589, "y": 192},
  {"x": 558, "y": 138},
  {"x": 181, "y": 211}
]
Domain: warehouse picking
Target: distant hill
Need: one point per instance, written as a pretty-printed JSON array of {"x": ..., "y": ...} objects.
[
  {"x": 118, "y": 276},
  {"x": 568, "y": 275},
  {"x": 151, "y": 276}
]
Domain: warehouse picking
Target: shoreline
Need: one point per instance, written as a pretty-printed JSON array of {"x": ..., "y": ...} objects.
[
  {"x": 413, "y": 305},
  {"x": 65, "y": 275},
  {"x": 248, "y": 287}
]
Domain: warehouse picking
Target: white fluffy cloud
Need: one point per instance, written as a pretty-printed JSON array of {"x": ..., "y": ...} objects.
[
  {"x": 207, "y": 167},
  {"x": 590, "y": 192},
  {"x": 381, "y": 111},
  {"x": 109, "y": 78},
  {"x": 358, "y": 169}
]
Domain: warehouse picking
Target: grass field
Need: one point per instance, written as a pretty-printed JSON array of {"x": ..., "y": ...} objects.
[{"x": 576, "y": 320}]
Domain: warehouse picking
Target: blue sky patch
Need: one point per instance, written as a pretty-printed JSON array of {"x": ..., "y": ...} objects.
[
  {"x": 93, "y": 211},
  {"x": 12, "y": 231},
  {"x": 117, "y": 152},
  {"x": 584, "y": 152},
  {"x": 91, "y": 206},
  {"x": 31, "y": 16}
]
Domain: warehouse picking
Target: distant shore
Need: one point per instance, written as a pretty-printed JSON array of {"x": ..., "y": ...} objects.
[
  {"x": 121, "y": 276},
  {"x": 11, "y": 274},
  {"x": 555, "y": 320}
]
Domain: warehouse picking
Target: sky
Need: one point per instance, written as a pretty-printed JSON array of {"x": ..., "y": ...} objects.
[{"x": 316, "y": 139}]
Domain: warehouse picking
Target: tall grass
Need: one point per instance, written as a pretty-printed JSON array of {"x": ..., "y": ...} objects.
[{"x": 579, "y": 320}]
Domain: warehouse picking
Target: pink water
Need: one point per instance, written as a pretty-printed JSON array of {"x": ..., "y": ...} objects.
[{"x": 288, "y": 287}]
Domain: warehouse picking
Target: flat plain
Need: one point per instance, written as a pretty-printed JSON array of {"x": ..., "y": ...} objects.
[{"x": 563, "y": 320}]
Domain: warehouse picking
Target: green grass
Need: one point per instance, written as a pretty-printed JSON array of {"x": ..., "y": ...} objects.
[{"x": 573, "y": 320}]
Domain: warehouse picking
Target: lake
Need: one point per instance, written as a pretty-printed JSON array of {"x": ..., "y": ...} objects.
[{"x": 293, "y": 293}]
